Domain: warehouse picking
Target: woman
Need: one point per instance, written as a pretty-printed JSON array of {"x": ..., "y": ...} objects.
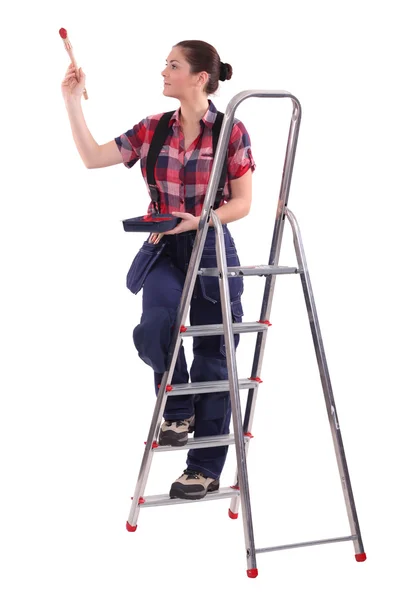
[{"x": 182, "y": 172}]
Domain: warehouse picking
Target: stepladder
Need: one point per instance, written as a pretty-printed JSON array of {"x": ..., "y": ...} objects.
[{"x": 239, "y": 492}]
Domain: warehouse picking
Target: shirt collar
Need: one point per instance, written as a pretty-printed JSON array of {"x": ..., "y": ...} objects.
[{"x": 208, "y": 118}]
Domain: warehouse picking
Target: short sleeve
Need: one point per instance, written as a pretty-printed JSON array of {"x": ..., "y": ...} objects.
[
  {"x": 130, "y": 143},
  {"x": 240, "y": 157}
]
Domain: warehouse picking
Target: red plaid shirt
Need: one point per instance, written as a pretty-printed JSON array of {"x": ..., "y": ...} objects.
[{"x": 182, "y": 176}]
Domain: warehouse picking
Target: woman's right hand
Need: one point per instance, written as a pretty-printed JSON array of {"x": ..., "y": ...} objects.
[
  {"x": 72, "y": 87},
  {"x": 155, "y": 238}
]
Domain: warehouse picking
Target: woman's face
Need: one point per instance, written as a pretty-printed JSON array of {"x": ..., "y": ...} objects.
[{"x": 177, "y": 78}]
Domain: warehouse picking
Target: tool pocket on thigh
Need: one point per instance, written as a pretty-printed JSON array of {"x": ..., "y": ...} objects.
[
  {"x": 237, "y": 314},
  {"x": 209, "y": 285},
  {"x": 141, "y": 265}
]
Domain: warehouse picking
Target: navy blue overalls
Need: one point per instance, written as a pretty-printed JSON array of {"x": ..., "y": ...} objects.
[{"x": 160, "y": 269}]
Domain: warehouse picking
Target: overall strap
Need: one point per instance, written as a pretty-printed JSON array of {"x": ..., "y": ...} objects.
[
  {"x": 215, "y": 134},
  {"x": 159, "y": 137}
]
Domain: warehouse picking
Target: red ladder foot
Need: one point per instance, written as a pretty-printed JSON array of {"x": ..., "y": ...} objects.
[
  {"x": 361, "y": 557},
  {"x": 252, "y": 573},
  {"x": 233, "y": 515},
  {"x": 130, "y": 527}
]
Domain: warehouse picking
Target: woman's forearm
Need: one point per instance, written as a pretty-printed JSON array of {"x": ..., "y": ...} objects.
[
  {"x": 233, "y": 210},
  {"x": 87, "y": 147}
]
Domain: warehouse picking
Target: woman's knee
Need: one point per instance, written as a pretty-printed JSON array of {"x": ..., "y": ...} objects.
[{"x": 152, "y": 336}]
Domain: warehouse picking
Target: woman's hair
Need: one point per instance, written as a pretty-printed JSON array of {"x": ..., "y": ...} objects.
[{"x": 204, "y": 57}]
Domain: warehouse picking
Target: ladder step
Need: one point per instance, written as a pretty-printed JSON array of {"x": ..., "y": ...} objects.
[
  {"x": 256, "y": 270},
  {"x": 218, "y": 329},
  {"x": 164, "y": 499},
  {"x": 203, "y": 442},
  {"x": 205, "y": 387}
]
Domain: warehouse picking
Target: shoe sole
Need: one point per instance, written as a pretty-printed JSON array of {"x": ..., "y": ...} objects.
[
  {"x": 182, "y": 494},
  {"x": 169, "y": 438},
  {"x": 172, "y": 439}
]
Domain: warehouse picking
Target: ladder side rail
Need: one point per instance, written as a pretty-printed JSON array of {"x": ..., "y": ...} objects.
[
  {"x": 269, "y": 287},
  {"x": 276, "y": 244},
  {"x": 235, "y": 395},
  {"x": 326, "y": 385}
]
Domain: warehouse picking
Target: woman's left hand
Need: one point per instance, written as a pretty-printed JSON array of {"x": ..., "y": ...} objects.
[{"x": 188, "y": 222}]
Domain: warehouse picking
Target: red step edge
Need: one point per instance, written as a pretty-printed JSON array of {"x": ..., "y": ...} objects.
[{"x": 153, "y": 445}]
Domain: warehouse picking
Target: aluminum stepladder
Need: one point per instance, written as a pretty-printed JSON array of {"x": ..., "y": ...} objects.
[{"x": 241, "y": 436}]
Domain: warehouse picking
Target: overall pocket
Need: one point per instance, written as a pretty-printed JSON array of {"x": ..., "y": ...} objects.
[
  {"x": 141, "y": 265},
  {"x": 209, "y": 286},
  {"x": 237, "y": 314}
]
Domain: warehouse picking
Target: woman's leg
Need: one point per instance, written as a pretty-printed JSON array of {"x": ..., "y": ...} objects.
[
  {"x": 162, "y": 292},
  {"x": 212, "y": 410}
]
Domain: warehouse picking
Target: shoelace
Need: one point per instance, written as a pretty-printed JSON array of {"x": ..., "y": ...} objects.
[
  {"x": 178, "y": 423},
  {"x": 193, "y": 474}
]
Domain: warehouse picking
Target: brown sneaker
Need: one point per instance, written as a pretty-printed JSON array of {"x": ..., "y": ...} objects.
[
  {"x": 193, "y": 485},
  {"x": 175, "y": 433}
]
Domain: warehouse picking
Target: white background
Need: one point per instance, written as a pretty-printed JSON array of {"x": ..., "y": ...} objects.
[{"x": 76, "y": 400}]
